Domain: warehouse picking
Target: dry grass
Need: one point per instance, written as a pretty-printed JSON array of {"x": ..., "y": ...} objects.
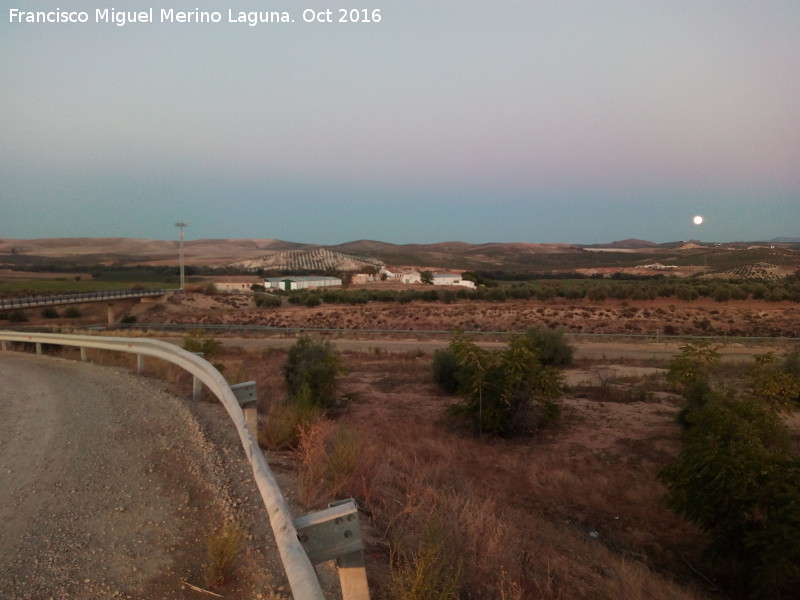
[
  {"x": 573, "y": 513},
  {"x": 223, "y": 548}
]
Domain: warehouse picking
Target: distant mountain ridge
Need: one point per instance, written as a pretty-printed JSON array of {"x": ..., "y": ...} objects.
[
  {"x": 632, "y": 243},
  {"x": 274, "y": 254}
]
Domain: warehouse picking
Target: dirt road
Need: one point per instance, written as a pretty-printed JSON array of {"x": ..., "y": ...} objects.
[
  {"x": 591, "y": 350},
  {"x": 109, "y": 487}
]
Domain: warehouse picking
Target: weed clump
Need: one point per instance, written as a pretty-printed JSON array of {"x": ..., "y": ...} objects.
[
  {"x": 433, "y": 572},
  {"x": 223, "y": 548},
  {"x": 311, "y": 369}
]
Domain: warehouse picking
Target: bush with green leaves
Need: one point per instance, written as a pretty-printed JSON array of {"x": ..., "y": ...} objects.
[
  {"x": 550, "y": 346},
  {"x": 200, "y": 341},
  {"x": 49, "y": 313},
  {"x": 311, "y": 370},
  {"x": 500, "y": 386},
  {"x": 267, "y": 301},
  {"x": 690, "y": 372},
  {"x": 445, "y": 370},
  {"x": 774, "y": 383},
  {"x": 736, "y": 479},
  {"x": 16, "y": 316}
]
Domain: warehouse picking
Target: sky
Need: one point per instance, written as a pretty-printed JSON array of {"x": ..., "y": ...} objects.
[{"x": 560, "y": 121}]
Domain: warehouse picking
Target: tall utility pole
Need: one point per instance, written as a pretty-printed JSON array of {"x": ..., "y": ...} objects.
[{"x": 180, "y": 225}]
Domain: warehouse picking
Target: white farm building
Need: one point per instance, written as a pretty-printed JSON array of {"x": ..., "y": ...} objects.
[
  {"x": 300, "y": 282},
  {"x": 451, "y": 279}
]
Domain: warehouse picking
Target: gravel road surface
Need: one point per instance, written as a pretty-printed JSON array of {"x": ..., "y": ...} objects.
[
  {"x": 602, "y": 350},
  {"x": 109, "y": 487}
]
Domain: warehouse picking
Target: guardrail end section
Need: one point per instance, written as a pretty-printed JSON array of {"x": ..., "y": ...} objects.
[
  {"x": 246, "y": 395},
  {"x": 335, "y": 533}
]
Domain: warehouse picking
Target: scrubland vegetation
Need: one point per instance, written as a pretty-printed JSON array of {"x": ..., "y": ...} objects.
[
  {"x": 512, "y": 473},
  {"x": 577, "y": 507},
  {"x": 623, "y": 495}
]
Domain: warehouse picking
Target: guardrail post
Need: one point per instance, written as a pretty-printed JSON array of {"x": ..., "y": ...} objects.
[
  {"x": 38, "y": 347},
  {"x": 84, "y": 357},
  {"x": 197, "y": 385},
  {"x": 111, "y": 316},
  {"x": 4, "y": 346},
  {"x": 335, "y": 533},
  {"x": 139, "y": 364},
  {"x": 247, "y": 398}
]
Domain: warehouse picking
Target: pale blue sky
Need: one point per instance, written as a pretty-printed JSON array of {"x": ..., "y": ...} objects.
[{"x": 561, "y": 121}]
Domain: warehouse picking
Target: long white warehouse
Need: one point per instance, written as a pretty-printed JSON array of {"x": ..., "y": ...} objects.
[{"x": 300, "y": 282}]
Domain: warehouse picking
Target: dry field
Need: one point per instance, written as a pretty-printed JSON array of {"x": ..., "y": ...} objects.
[
  {"x": 574, "y": 511},
  {"x": 752, "y": 318}
]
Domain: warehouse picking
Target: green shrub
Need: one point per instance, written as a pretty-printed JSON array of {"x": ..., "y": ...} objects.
[
  {"x": 499, "y": 386},
  {"x": 17, "y": 316},
  {"x": 313, "y": 364},
  {"x": 773, "y": 383},
  {"x": 695, "y": 362},
  {"x": 267, "y": 301},
  {"x": 72, "y": 313},
  {"x": 550, "y": 346},
  {"x": 49, "y": 313},
  {"x": 312, "y": 301},
  {"x": 445, "y": 370},
  {"x": 199, "y": 340},
  {"x": 735, "y": 479}
]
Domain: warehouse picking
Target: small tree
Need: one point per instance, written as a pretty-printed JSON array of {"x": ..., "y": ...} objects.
[
  {"x": 200, "y": 341},
  {"x": 774, "y": 384},
  {"x": 692, "y": 365},
  {"x": 736, "y": 480},
  {"x": 267, "y": 301},
  {"x": 426, "y": 277},
  {"x": 445, "y": 370},
  {"x": 690, "y": 373},
  {"x": 550, "y": 346},
  {"x": 17, "y": 316},
  {"x": 312, "y": 367},
  {"x": 499, "y": 385}
]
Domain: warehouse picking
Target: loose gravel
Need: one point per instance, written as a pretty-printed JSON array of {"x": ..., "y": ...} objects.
[{"x": 110, "y": 486}]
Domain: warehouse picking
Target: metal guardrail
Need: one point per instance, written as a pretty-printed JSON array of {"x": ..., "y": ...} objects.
[
  {"x": 299, "y": 570},
  {"x": 59, "y": 299}
]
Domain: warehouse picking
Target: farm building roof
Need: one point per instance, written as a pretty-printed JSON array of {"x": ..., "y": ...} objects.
[{"x": 301, "y": 278}]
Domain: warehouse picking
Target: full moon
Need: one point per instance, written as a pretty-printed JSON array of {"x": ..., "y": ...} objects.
[{"x": 697, "y": 220}]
